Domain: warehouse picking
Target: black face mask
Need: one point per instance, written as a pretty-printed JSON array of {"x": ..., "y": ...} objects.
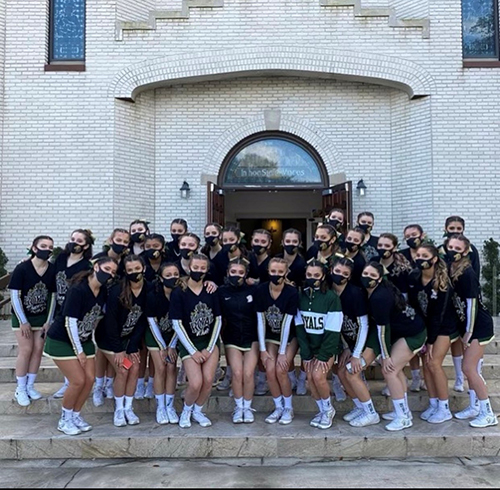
[
  {"x": 138, "y": 237},
  {"x": 338, "y": 279},
  {"x": 43, "y": 254},
  {"x": 74, "y": 248},
  {"x": 290, "y": 249},
  {"x": 321, "y": 245},
  {"x": 118, "y": 249},
  {"x": 235, "y": 281},
  {"x": 171, "y": 282},
  {"x": 259, "y": 249},
  {"x": 102, "y": 276},
  {"x": 175, "y": 237},
  {"x": 454, "y": 256},
  {"x": 414, "y": 242},
  {"x": 384, "y": 253},
  {"x": 186, "y": 253},
  {"x": 351, "y": 246},
  {"x": 335, "y": 223},
  {"x": 229, "y": 248},
  {"x": 197, "y": 276},
  {"x": 151, "y": 254},
  {"x": 276, "y": 280},
  {"x": 211, "y": 241},
  {"x": 423, "y": 263},
  {"x": 312, "y": 283},
  {"x": 368, "y": 282},
  {"x": 135, "y": 276},
  {"x": 366, "y": 228}
]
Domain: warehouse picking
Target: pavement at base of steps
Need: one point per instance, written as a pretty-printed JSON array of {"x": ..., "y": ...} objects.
[{"x": 253, "y": 473}]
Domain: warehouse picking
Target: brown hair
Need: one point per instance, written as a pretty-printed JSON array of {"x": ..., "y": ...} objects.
[
  {"x": 441, "y": 281},
  {"x": 126, "y": 291},
  {"x": 402, "y": 263},
  {"x": 457, "y": 270}
]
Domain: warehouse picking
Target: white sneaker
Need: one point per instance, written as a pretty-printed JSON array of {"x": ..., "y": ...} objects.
[
  {"x": 22, "y": 397},
  {"x": 459, "y": 385},
  {"x": 173, "y": 418},
  {"x": 238, "y": 415},
  {"x": 440, "y": 416},
  {"x": 225, "y": 384},
  {"x": 131, "y": 417},
  {"x": 354, "y": 413},
  {"x": 338, "y": 391},
  {"x": 60, "y": 392},
  {"x": 467, "y": 413},
  {"x": 286, "y": 416},
  {"x": 274, "y": 416},
  {"x": 68, "y": 427},
  {"x": 428, "y": 413},
  {"x": 202, "y": 419},
  {"x": 385, "y": 391},
  {"x": 326, "y": 419},
  {"x": 262, "y": 388},
  {"x": 119, "y": 418},
  {"x": 248, "y": 417},
  {"x": 185, "y": 420},
  {"x": 301, "y": 387},
  {"x": 399, "y": 423},
  {"x": 484, "y": 420},
  {"x": 415, "y": 384},
  {"x": 392, "y": 415},
  {"x": 32, "y": 393},
  {"x": 161, "y": 416},
  {"x": 365, "y": 419},
  {"x": 149, "y": 394},
  {"x": 140, "y": 391},
  {"x": 81, "y": 424},
  {"x": 109, "y": 392},
  {"x": 316, "y": 420},
  {"x": 98, "y": 397}
]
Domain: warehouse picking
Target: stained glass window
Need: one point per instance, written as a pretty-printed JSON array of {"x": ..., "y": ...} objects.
[
  {"x": 480, "y": 28},
  {"x": 273, "y": 161},
  {"x": 67, "y": 25}
]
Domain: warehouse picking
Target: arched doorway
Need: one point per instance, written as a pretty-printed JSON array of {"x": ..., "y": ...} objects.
[{"x": 275, "y": 180}]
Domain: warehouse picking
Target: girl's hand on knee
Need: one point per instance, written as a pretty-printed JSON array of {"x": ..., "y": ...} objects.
[
  {"x": 119, "y": 356},
  {"x": 198, "y": 357},
  {"x": 356, "y": 365},
  {"x": 82, "y": 358},
  {"x": 321, "y": 366},
  {"x": 283, "y": 362},
  {"x": 344, "y": 358},
  {"x": 172, "y": 355},
  {"x": 264, "y": 357},
  {"x": 25, "y": 330},
  {"x": 308, "y": 365},
  {"x": 388, "y": 366},
  {"x": 135, "y": 357}
]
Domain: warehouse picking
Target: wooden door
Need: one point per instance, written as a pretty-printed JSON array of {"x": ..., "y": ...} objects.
[
  {"x": 339, "y": 196},
  {"x": 215, "y": 204}
]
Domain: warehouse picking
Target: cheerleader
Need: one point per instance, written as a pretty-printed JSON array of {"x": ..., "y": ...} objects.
[
  {"x": 32, "y": 291},
  {"x": 161, "y": 342},
  {"x": 354, "y": 333},
  {"x": 231, "y": 248},
  {"x": 138, "y": 230},
  {"x": 430, "y": 293},
  {"x": 211, "y": 249},
  {"x": 73, "y": 259},
  {"x": 153, "y": 255},
  {"x": 337, "y": 219},
  {"x": 400, "y": 334},
  {"x": 189, "y": 243},
  {"x": 121, "y": 338},
  {"x": 366, "y": 221},
  {"x": 239, "y": 335},
  {"x": 414, "y": 236},
  {"x": 475, "y": 327},
  {"x": 318, "y": 322},
  {"x": 276, "y": 306},
  {"x": 352, "y": 250},
  {"x": 178, "y": 227},
  {"x": 196, "y": 319},
  {"x": 69, "y": 340},
  {"x": 325, "y": 241},
  {"x": 259, "y": 257},
  {"x": 291, "y": 243}
]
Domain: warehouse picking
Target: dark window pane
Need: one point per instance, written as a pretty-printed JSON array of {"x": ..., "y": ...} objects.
[
  {"x": 275, "y": 162},
  {"x": 479, "y": 29},
  {"x": 68, "y": 30}
]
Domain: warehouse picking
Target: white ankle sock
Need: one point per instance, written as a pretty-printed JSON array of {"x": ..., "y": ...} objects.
[
  {"x": 119, "y": 400},
  {"x": 67, "y": 414},
  {"x": 278, "y": 402},
  {"x": 247, "y": 403},
  {"x": 99, "y": 383},
  {"x": 444, "y": 405},
  {"x": 239, "y": 402},
  {"x": 198, "y": 408},
  {"x": 21, "y": 382},
  {"x": 457, "y": 363},
  {"x": 368, "y": 407},
  {"x": 160, "y": 401},
  {"x": 169, "y": 400},
  {"x": 357, "y": 403},
  {"x": 31, "y": 379},
  {"x": 128, "y": 402}
]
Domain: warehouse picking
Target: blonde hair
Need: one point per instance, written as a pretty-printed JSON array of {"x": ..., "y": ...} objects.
[
  {"x": 441, "y": 281},
  {"x": 457, "y": 270}
]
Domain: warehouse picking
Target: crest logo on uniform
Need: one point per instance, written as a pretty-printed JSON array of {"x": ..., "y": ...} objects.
[
  {"x": 132, "y": 319},
  {"x": 274, "y": 318},
  {"x": 89, "y": 322},
  {"x": 201, "y": 319},
  {"x": 36, "y": 299}
]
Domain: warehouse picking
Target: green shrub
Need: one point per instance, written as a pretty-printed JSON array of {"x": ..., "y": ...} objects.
[
  {"x": 3, "y": 263},
  {"x": 491, "y": 275}
]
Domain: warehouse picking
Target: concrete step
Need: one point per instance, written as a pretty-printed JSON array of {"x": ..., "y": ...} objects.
[
  {"x": 36, "y": 437},
  {"x": 221, "y": 402}
]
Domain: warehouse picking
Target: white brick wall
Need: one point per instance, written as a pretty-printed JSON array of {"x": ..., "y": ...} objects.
[{"x": 73, "y": 156}]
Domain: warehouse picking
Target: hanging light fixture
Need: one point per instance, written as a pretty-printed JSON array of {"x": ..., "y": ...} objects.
[
  {"x": 361, "y": 187},
  {"x": 185, "y": 190}
]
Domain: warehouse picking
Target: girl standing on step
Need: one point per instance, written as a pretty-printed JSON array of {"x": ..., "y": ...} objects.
[
  {"x": 33, "y": 297},
  {"x": 69, "y": 340},
  {"x": 161, "y": 342},
  {"x": 318, "y": 324},
  {"x": 475, "y": 327},
  {"x": 153, "y": 255},
  {"x": 138, "y": 230},
  {"x": 178, "y": 227},
  {"x": 431, "y": 294},
  {"x": 352, "y": 250},
  {"x": 337, "y": 219},
  {"x": 259, "y": 256},
  {"x": 125, "y": 324},
  {"x": 292, "y": 243},
  {"x": 196, "y": 318},
  {"x": 239, "y": 335},
  {"x": 276, "y": 306}
]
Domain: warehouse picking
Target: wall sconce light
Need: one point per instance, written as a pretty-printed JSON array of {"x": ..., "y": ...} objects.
[
  {"x": 185, "y": 190},
  {"x": 361, "y": 187}
]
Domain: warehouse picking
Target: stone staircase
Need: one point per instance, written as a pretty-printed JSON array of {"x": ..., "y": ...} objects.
[{"x": 31, "y": 432}]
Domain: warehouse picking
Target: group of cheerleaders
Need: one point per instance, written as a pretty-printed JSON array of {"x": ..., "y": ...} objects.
[{"x": 351, "y": 298}]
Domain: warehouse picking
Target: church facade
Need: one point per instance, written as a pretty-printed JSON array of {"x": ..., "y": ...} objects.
[{"x": 268, "y": 111}]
